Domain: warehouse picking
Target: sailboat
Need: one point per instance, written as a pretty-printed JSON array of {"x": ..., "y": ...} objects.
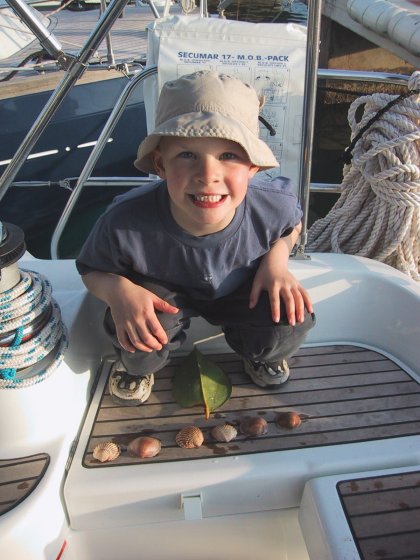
[{"x": 341, "y": 481}]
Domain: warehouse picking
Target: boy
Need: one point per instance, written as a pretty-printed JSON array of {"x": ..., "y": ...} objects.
[{"x": 203, "y": 241}]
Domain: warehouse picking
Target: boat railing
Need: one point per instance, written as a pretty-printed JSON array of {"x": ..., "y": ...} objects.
[
  {"x": 79, "y": 63},
  {"x": 313, "y": 26},
  {"x": 75, "y": 70},
  {"x": 85, "y": 178}
]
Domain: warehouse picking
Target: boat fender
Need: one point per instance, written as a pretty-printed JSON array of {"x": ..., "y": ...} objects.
[
  {"x": 399, "y": 25},
  {"x": 404, "y": 29},
  {"x": 373, "y": 15}
]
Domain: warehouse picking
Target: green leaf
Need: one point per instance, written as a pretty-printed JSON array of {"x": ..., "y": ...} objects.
[{"x": 200, "y": 382}]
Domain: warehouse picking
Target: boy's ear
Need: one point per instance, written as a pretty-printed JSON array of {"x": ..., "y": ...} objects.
[
  {"x": 253, "y": 170},
  {"x": 157, "y": 161}
]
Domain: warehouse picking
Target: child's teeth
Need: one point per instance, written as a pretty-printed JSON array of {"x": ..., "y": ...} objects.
[{"x": 208, "y": 198}]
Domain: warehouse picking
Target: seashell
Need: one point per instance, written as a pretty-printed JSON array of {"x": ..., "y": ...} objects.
[
  {"x": 254, "y": 427},
  {"x": 224, "y": 432},
  {"x": 106, "y": 451},
  {"x": 190, "y": 437},
  {"x": 288, "y": 420},
  {"x": 144, "y": 447}
]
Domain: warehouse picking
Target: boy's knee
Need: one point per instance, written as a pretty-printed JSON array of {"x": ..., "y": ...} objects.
[
  {"x": 172, "y": 321},
  {"x": 268, "y": 343}
]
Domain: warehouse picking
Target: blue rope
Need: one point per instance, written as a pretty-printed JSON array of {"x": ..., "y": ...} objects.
[
  {"x": 10, "y": 373},
  {"x": 36, "y": 292}
]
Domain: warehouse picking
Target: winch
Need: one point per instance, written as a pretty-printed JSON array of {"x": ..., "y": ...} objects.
[
  {"x": 32, "y": 336},
  {"x": 12, "y": 247}
]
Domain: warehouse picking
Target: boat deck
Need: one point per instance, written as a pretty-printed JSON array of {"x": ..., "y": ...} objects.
[
  {"x": 382, "y": 513},
  {"x": 344, "y": 394},
  {"x": 19, "y": 477}
]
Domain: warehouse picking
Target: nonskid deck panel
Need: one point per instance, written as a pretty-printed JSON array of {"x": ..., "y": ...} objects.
[
  {"x": 383, "y": 514},
  {"x": 19, "y": 477},
  {"x": 344, "y": 394}
]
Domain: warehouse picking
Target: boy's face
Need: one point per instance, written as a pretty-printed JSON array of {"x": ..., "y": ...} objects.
[{"x": 207, "y": 180}]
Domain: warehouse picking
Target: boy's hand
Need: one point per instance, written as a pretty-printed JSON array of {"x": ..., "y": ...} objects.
[
  {"x": 274, "y": 277},
  {"x": 133, "y": 310},
  {"x": 283, "y": 287},
  {"x": 136, "y": 322}
]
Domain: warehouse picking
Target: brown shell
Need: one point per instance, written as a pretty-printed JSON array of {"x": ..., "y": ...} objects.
[
  {"x": 254, "y": 426},
  {"x": 144, "y": 447},
  {"x": 190, "y": 437},
  {"x": 224, "y": 432},
  {"x": 288, "y": 420},
  {"x": 106, "y": 451}
]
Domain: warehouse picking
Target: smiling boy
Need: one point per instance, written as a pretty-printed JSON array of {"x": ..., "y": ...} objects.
[
  {"x": 207, "y": 240},
  {"x": 207, "y": 204}
]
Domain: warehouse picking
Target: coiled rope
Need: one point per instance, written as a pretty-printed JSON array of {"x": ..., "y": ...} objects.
[
  {"x": 378, "y": 212},
  {"x": 19, "y": 306}
]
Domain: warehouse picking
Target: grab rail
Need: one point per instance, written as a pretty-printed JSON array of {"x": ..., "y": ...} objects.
[
  {"x": 96, "y": 152},
  {"x": 308, "y": 121}
]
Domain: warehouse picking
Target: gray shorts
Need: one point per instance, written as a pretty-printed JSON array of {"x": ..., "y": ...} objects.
[{"x": 251, "y": 333}]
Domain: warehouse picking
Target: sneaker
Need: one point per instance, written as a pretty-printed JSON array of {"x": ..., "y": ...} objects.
[
  {"x": 127, "y": 389},
  {"x": 267, "y": 374}
]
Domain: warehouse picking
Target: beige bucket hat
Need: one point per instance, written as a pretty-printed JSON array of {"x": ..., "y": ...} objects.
[{"x": 207, "y": 104}]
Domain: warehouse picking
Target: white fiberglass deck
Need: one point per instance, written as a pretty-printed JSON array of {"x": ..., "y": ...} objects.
[{"x": 367, "y": 321}]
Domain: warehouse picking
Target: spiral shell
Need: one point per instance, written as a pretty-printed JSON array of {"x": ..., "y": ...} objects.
[
  {"x": 254, "y": 426},
  {"x": 189, "y": 437},
  {"x": 224, "y": 432},
  {"x": 106, "y": 451},
  {"x": 144, "y": 447},
  {"x": 288, "y": 420}
]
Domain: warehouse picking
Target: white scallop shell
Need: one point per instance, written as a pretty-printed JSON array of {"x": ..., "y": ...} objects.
[
  {"x": 106, "y": 451},
  {"x": 224, "y": 432},
  {"x": 190, "y": 437}
]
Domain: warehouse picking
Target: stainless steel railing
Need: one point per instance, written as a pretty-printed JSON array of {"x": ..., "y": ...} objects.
[{"x": 78, "y": 65}]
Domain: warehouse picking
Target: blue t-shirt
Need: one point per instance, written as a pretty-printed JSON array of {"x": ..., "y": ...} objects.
[{"x": 137, "y": 236}]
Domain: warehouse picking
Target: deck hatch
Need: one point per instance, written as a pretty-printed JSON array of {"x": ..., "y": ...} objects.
[
  {"x": 19, "y": 477},
  {"x": 383, "y": 513},
  {"x": 345, "y": 394}
]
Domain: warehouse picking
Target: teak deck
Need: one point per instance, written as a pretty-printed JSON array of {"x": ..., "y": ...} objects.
[
  {"x": 383, "y": 513},
  {"x": 344, "y": 394},
  {"x": 19, "y": 477}
]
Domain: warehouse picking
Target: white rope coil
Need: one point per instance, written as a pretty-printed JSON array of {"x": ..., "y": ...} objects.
[
  {"x": 378, "y": 212},
  {"x": 19, "y": 306},
  {"x": 27, "y": 305}
]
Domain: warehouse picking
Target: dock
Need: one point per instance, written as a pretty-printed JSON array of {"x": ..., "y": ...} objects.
[{"x": 128, "y": 40}]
